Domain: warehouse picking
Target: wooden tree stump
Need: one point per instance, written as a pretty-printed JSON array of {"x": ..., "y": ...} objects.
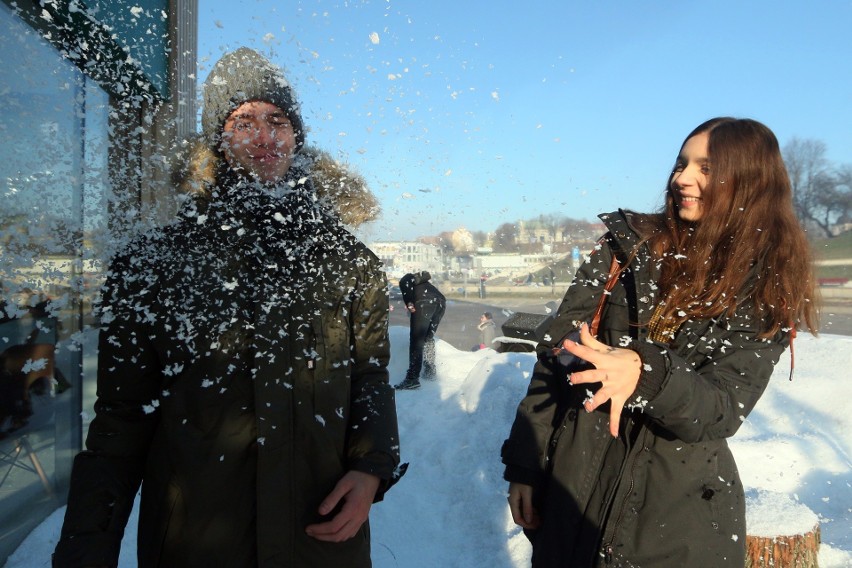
[
  {"x": 782, "y": 533},
  {"x": 795, "y": 551}
]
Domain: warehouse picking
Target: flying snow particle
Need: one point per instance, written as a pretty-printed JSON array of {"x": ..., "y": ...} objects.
[
  {"x": 268, "y": 38},
  {"x": 374, "y": 38},
  {"x": 136, "y": 11},
  {"x": 230, "y": 285},
  {"x": 495, "y": 95},
  {"x": 34, "y": 365},
  {"x": 320, "y": 419},
  {"x": 218, "y": 24},
  {"x": 407, "y": 195}
]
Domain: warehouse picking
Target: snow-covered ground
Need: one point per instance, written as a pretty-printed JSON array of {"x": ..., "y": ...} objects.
[{"x": 794, "y": 453}]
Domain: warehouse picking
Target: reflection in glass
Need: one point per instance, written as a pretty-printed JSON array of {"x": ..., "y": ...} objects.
[{"x": 53, "y": 186}]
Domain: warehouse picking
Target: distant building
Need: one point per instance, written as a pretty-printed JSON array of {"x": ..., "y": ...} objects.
[
  {"x": 509, "y": 264},
  {"x": 401, "y": 257}
]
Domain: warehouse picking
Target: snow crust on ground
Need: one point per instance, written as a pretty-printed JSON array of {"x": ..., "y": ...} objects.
[{"x": 794, "y": 454}]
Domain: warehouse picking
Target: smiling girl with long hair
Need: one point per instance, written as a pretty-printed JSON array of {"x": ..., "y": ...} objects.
[{"x": 618, "y": 455}]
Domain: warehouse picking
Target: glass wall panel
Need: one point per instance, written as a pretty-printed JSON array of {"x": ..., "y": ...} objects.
[{"x": 53, "y": 190}]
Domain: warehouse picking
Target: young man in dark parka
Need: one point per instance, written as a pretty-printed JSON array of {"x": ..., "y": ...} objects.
[{"x": 242, "y": 373}]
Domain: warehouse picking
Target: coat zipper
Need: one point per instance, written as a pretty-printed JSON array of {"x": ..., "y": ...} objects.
[{"x": 607, "y": 547}]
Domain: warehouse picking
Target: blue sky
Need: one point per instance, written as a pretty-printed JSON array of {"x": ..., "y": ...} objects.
[{"x": 470, "y": 114}]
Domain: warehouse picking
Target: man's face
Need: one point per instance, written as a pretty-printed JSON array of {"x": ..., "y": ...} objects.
[{"x": 259, "y": 139}]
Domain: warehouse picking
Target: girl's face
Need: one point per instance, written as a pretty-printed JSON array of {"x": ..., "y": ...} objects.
[{"x": 690, "y": 176}]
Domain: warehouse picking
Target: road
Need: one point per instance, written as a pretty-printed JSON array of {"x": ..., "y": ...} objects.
[{"x": 458, "y": 327}]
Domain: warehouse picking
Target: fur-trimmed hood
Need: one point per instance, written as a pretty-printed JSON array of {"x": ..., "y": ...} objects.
[{"x": 341, "y": 189}]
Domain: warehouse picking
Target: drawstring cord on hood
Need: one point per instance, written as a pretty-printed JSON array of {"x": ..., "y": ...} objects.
[{"x": 792, "y": 336}]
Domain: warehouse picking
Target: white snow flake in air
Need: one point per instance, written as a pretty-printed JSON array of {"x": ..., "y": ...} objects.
[
  {"x": 201, "y": 219},
  {"x": 279, "y": 217},
  {"x": 150, "y": 408},
  {"x": 495, "y": 95},
  {"x": 735, "y": 538},
  {"x": 136, "y": 11},
  {"x": 268, "y": 38},
  {"x": 374, "y": 38},
  {"x": 320, "y": 419},
  {"x": 230, "y": 285},
  {"x": 407, "y": 195}
]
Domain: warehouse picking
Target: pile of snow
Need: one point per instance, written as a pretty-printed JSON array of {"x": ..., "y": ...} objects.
[{"x": 450, "y": 508}]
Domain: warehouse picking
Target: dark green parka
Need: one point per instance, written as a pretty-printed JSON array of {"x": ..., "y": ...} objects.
[
  {"x": 666, "y": 492},
  {"x": 242, "y": 371}
]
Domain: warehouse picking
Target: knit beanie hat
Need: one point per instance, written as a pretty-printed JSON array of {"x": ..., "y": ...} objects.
[{"x": 245, "y": 75}]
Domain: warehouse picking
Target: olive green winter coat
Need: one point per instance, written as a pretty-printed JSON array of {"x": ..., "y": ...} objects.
[
  {"x": 666, "y": 492},
  {"x": 242, "y": 371}
]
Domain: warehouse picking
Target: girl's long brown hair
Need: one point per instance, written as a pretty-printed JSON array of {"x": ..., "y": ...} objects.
[{"x": 748, "y": 243}]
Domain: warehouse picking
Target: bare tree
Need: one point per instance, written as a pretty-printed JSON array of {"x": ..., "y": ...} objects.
[
  {"x": 821, "y": 196},
  {"x": 480, "y": 238},
  {"x": 805, "y": 161},
  {"x": 844, "y": 187},
  {"x": 505, "y": 238}
]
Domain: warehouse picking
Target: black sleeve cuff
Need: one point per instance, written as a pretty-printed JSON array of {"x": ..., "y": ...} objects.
[
  {"x": 517, "y": 474},
  {"x": 655, "y": 366}
]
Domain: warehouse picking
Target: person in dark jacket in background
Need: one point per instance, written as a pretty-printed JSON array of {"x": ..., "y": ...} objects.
[
  {"x": 426, "y": 306},
  {"x": 242, "y": 371},
  {"x": 487, "y": 330},
  {"x": 618, "y": 455}
]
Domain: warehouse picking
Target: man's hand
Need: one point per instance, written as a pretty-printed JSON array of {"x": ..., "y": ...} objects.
[
  {"x": 616, "y": 369},
  {"x": 357, "y": 490},
  {"x": 520, "y": 503}
]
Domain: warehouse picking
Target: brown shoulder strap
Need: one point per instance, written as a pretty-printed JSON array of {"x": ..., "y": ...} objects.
[{"x": 614, "y": 272}]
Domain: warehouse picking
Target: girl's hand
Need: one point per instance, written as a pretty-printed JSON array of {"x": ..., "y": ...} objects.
[
  {"x": 520, "y": 503},
  {"x": 616, "y": 369}
]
